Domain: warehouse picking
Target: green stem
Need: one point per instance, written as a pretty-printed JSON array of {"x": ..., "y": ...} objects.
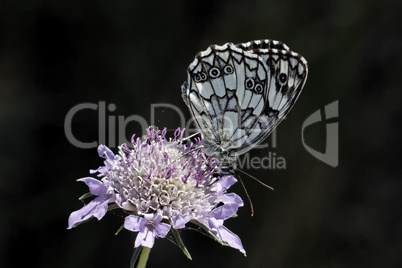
[
  {"x": 142, "y": 262},
  {"x": 134, "y": 258}
]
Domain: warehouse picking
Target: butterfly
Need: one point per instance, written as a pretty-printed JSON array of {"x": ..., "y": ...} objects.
[{"x": 237, "y": 94}]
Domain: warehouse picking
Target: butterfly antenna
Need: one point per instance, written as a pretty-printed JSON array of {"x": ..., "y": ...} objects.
[
  {"x": 248, "y": 197},
  {"x": 191, "y": 136},
  {"x": 189, "y": 152},
  {"x": 257, "y": 180},
  {"x": 195, "y": 149}
]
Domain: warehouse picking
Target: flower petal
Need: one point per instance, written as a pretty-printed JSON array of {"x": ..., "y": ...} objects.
[
  {"x": 158, "y": 217},
  {"x": 231, "y": 198},
  {"x": 224, "y": 212},
  {"x": 227, "y": 181},
  {"x": 230, "y": 238},
  {"x": 223, "y": 233},
  {"x": 162, "y": 229},
  {"x": 134, "y": 223},
  {"x": 223, "y": 184},
  {"x": 145, "y": 239},
  {"x": 95, "y": 186},
  {"x": 97, "y": 208},
  {"x": 105, "y": 152},
  {"x": 179, "y": 221},
  {"x": 150, "y": 216}
]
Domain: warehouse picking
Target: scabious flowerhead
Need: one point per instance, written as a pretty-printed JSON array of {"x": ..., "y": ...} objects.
[{"x": 162, "y": 184}]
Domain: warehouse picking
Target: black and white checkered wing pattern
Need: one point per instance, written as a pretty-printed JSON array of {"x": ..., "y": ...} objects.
[
  {"x": 237, "y": 94},
  {"x": 287, "y": 74}
]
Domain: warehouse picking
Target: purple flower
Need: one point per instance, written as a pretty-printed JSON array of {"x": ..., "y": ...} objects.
[
  {"x": 148, "y": 227},
  {"x": 162, "y": 184}
]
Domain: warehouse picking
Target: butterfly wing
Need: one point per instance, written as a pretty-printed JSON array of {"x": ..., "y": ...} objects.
[
  {"x": 237, "y": 95},
  {"x": 219, "y": 92}
]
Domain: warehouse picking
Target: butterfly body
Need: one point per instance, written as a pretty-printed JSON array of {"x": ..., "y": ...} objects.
[{"x": 237, "y": 94}]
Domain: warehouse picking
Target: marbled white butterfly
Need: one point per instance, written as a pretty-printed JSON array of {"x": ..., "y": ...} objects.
[{"x": 237, "y": 94}]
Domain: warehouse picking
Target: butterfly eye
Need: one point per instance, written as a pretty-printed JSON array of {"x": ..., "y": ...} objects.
[
  {"x": 283, "y": 78},
  {"x": 214, "y": 72},
  {"x": 228, "y": 69},
  {"x": 258, "y": 88},
  {"x": 249, "y": 83}
]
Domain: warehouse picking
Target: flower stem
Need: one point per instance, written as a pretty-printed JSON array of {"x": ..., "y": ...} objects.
[
  {"x": 135, "y": 256},
  {"x": 142, "y": 262}
]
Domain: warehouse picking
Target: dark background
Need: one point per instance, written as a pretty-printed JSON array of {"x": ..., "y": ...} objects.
[{"x": 57, "y": 54}]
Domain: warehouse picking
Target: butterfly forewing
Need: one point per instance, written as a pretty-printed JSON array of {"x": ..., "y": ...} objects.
[{"x": 237, "y": 94}]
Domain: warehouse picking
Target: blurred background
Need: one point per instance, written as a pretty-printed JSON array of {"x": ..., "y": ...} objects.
[{"x": 55, "y": 55}]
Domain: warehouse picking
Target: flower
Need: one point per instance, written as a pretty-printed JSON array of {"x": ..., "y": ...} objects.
[
  {"x": 148, "y": 227},
  {"x": 162, "y": 184}
]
